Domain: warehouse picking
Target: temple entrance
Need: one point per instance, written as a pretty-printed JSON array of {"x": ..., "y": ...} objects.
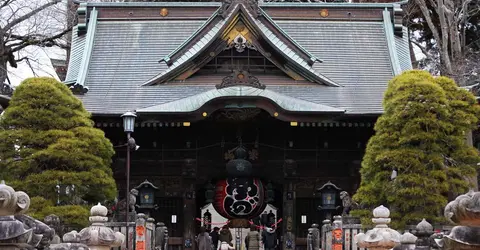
[
  {"x": 190, "y": 166},
  {"x": 214, "y": 209}
]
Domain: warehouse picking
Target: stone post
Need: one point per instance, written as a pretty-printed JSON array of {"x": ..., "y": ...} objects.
[
  {"x": 53, "y": 222},
  {"x": 316, "y": 236},
  {"x": 140, "y": 232},
  {"x": 337, "y": 233},
  {"x": 381, "y": 237},
  {"x": 98, "y": 236},
  {"x": 310, "y": 239},
  {"x": 407, "y": 242},
  {"x": 423, "y": 231},
  {"x": 160, "y": 236},
  {"x": 71, "y": 241},
  {"x": 165, "y": 245},
  {"x": 150, "y": 236},
  {"x": 326, "y": 229},
  {"x": 464, "y": 211},
  {"x": 13, "y": 234}
]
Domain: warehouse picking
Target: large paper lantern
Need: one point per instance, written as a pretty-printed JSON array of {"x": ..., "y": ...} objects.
[{"x": 239, "y": 198}]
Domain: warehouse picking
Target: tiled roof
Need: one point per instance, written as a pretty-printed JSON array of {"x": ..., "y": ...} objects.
[
  {"x": 270, "y": 35},
  {"x": 125, "y": 54},
  {"x": 78, "y": 45}
]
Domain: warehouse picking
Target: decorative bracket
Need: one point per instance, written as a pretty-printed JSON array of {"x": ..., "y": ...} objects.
[
  {"x": 398, "y": 20},
  {"x": 82, "y": 19},
  {"x": 240, "y": 77},
  {"x": 78, "y": 89}
]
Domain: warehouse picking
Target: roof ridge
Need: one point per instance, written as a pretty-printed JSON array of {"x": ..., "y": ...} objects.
[
  {"x": 339, "y": 5},
  {"x": 153, "y": 4},
  {"x": 312, "y": 57},
  {"x": 194, "y": 34}
]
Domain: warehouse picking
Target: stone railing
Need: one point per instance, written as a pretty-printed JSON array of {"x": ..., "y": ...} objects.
[{"x": 19, "y": 231}]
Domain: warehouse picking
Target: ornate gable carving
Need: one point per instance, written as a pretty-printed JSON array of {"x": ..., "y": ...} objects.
[{"x": 240, "y": 77}]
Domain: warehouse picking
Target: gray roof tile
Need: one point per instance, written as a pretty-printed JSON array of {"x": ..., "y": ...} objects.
[
  {"x": 126, "y": 54},
  {"x": 403, "y": 50}
]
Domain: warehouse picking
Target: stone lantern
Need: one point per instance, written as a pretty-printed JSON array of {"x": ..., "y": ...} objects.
[
  {"x": 465, "y": 212},
  {"x": 13, "y": 234},
  {"x": 98, "y": 236},
  {"x": 381, "y": 237},
  {"x": 328, "y": 198},
  {"x": 146, "y": 193}
]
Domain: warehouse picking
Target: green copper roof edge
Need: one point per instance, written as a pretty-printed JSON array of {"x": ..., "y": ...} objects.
[
  {"x": 312, "y": 57},
  {"x": 246, "y": 92},
  {"x": 388, "y": 27},
  {"x": 87, "y": 52},
  {"x": 154, "y": 4},
  {"x": 194, "y": 34},
  {"x": 328, "y": 5}
]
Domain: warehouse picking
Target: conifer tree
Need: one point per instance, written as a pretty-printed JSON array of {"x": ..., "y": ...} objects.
[
  {"x": 47, "y": 139},
  {"x": 421, "y": 135}
]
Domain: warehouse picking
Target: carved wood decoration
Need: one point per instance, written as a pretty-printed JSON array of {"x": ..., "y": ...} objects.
[
  {"x": 252, "y": 154},
  {"x": 242, "y": 114},
  {"x": 240, "y": 43},
  {"x": 250, "y": 5},
  {"x": 240, "y": 77}
]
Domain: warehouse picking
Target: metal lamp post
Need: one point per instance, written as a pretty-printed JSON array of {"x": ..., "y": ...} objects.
[{"x": 128, "y": 127}]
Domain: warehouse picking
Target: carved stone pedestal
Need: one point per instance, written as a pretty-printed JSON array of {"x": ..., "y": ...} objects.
[{"x": 381, "y": 237}]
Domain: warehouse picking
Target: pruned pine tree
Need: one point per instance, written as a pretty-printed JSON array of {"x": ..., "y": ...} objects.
[
  {"x": 48, "y": 141},
  {"x": 421, "y": 136}
]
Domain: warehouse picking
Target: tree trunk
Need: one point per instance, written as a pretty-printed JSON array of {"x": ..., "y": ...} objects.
[
  {"x": 444, "y": 52},
  {"x": 3, "y": 62}
]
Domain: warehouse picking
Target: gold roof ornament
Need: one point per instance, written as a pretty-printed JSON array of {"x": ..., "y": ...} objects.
[
  {"x": 164, "y": 12},
  {"x": 324, "y": 13}
]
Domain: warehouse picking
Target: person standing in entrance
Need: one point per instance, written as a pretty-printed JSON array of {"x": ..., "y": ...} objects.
[
  {"x": 253, "y": 239},
  {"x": 203, "y": 240},
  {"x": 269, "y": 238},
  {"x": 225, "y": 235},
  {"x": 214, "y": 236}
]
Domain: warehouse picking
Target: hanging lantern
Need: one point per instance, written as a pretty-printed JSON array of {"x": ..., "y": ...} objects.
[
  {"x": 239, "y": 166},
  {"x": 209, "y": 193},
  {"x": 239, "y": 198}
]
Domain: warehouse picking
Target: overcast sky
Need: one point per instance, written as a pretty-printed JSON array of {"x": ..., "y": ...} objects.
[
  {"x": 48, "y": 22},
  {"x": 40, "y": 64}
]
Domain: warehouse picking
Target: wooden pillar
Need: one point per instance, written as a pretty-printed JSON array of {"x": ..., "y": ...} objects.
[
  {"x": 189, "y": 206},
  {"x": 469, "y": 142},
  {"x": 289, "y": 216}
]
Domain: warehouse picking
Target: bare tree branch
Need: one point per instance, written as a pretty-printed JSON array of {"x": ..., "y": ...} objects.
[
  {"x": 5, "y": 3},
  {"x": 30, "y": 14},
  {"x": 41, "y": 41},
  {"x": 420, "y": 46}
]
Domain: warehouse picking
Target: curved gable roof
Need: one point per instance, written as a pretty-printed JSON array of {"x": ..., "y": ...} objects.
[{"x": 268, "y": 36}]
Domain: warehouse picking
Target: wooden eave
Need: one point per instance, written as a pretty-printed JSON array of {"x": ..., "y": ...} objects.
[{"x": 190, "y": 57}]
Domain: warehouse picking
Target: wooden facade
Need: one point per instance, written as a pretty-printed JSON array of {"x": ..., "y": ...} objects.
[{"x": 181, "y": 160}]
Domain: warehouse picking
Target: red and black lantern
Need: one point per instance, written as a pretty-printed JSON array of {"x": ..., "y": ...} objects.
[{"x": 239, "y": 198}]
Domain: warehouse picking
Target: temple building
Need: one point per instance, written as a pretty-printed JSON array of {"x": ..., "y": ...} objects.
[{"x": 242, "y": 107}]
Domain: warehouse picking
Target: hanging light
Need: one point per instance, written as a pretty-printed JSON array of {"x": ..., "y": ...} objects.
[{"x": 129, "y": 121}]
